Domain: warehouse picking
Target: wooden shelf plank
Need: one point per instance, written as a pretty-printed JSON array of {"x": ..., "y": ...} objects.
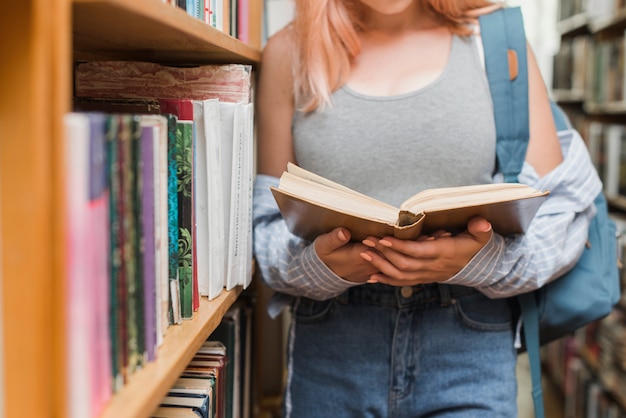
[
  {"x": 613, "y": 22},
  {"x": 150, "y": 30},
  {"x": 608, "y": 108},
  {"x": 145, "y": 389},
  {"x": 573, "y": 25}
]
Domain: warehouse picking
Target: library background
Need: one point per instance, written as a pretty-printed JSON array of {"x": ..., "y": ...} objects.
[{"x": 123, "y": 128}]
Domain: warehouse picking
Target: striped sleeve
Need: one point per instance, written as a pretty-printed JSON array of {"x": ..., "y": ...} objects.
[
  {"x": 556, "y": 237},
  {"x": 288, "y": 264}
]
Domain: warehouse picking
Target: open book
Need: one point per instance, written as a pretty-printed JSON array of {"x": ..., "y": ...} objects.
[{"x": 312, "y": 205}]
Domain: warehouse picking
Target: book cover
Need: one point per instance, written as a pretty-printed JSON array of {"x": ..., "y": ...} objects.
[
  {"x": 175, "y": 412},
  {"x": 129, "y": 106},
  {"x": 184, "y": 136},
  {"x": 227, "y": 123},
  {"x": 201, "y": 200},
  {"x": 129, "y": 137},
  {"x": 148, "y": 221},
  {"x": 158, "y": 124},
  {"x": 241, "y": 183},
  {"x": 116, "y": 242},
  {"x": 312, "y": 205},
  {"x": 228, "y": 334},
  {"x": 198, "y": 403},
  {"x": 211, "y": 365},
  {"x": 98, "y": 258},
  {"x": 243, "y": 25},
  {"x": 144, "y": 80},
  {"x": 79, "y": 367},
  {"x": 197, "y": 385},
  {"x": 172, "y": 219},
  {"x": 217, "y": 218},
  {"x": 183, "y": 109}
]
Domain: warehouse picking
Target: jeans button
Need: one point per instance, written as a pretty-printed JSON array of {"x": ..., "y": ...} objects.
[{"x": 406, "y": 291}]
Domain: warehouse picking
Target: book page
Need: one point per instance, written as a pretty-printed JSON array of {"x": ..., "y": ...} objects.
[
  {"x": 463, "y": 196},
  {"x": 307, "y": 175},
  {"x": 347, "y": 201}
]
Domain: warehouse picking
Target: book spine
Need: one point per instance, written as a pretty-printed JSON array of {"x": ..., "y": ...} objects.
[
  {"x": 130, "y": 231},
  {"x": 116, "y": 270},
  {"x": 184, "y": 135},
  {"x": 98, "y": 257},
  {"x": 149, "y": 241},
  {"x": 172, "y": 207}
]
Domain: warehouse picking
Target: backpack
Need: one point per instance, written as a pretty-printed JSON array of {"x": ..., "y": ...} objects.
[{"x": 591, "y": 289}]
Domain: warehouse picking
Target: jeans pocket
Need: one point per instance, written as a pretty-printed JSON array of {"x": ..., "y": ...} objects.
[
  {"x": 481, "y": 313},
  {"x": 309, "y": 311}
]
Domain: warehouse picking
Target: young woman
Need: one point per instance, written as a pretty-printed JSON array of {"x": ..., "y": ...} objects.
[{"x": 390, "y": 97}]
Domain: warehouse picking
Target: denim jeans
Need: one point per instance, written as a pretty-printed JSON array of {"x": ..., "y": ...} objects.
[{"x": 421, "y": 351}]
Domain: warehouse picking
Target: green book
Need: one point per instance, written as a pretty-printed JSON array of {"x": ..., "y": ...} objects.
[{"x": 184, "y": 142}]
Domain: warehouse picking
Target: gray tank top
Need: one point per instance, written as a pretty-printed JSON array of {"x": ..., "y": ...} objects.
[{"x": 393, "y": 147}]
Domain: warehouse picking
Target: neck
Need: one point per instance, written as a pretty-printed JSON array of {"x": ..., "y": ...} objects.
[{"x": 417, "y": 16}]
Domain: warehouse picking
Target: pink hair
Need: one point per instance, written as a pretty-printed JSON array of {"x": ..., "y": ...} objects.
[{"x": 326, "y": 42}]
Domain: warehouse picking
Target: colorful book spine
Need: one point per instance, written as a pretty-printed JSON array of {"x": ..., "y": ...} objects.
[
  {"x": 172, "y": 209},
  {"x": 147, "y": 179},
  {"x": 116, "y": 270},
  {"x": 98, "y": 258},
  {"x": 184, "y": 137},
  {"x": 129, "y": 259},
  {"x": 136, "y": 290},
  {"x": 183, "y": 110}
]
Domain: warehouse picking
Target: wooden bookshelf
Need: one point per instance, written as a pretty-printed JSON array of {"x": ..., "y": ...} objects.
[
  {"x": 40, "y": 41},
  {"x": 149, "y": 30},
  {"x": 141, "y": 395},
  {"x": 602, "y": 101}
]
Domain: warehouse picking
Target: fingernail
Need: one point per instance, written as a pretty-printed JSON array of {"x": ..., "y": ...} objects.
[
  {"x": 369, "y": 243},
  {"x": 342, "y": 236},
  {"x": 372, "y": 281},
  {"x": 385, "y": 242},
  {"x": 366, "y": 256}
]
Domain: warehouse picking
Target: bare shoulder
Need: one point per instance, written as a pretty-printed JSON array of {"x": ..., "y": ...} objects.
[
  {"x": 278, "y": 54},
  {"x": 280, "y": 42},
  {"x": 275, "y": 104}
]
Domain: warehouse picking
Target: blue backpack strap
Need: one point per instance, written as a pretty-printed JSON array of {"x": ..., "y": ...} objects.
[{"x": 503, "y": 31}]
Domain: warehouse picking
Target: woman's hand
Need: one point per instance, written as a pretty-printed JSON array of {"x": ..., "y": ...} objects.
[
  {"x": 344, "y": 257},
  {"x": 428, "y": 259}
]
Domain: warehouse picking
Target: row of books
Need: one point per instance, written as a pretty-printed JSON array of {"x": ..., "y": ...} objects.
[
  {"x": 571, "y": 66},
  {"x": 590, "y": 366},
  {"x": 590, "y": 69},
  {"x": 159, "y": 192},
  {"x": 607, "y": 148},
  {"x": 607, "y": 71},
  {"x": 572, "y": 365},
  {"x": 229, "y": 16},
  {"x": 591, "y": 8},
  {"x": 217, "y": 383},
  {"x": 569, "y": 8}
]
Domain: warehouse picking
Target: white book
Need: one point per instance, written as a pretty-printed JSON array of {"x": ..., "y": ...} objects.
[
  {"x": 249, "y": 186},
  {"x": 613, "y": 143},
  {"x": 227, "y": 114},
  {"x": 216, "y": 216},
  {"x": 159, "y": 124},
  {"x": 201, "y": 201},
  {"x": 238, "y": 194}
]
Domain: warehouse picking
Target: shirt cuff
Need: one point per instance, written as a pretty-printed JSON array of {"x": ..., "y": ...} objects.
[
  {"x": 322, "y": 276},
  {"x": 482, "y": 265}
]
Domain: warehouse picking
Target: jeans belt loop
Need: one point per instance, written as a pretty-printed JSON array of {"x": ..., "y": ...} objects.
[{"x": 444, "y": 292}]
